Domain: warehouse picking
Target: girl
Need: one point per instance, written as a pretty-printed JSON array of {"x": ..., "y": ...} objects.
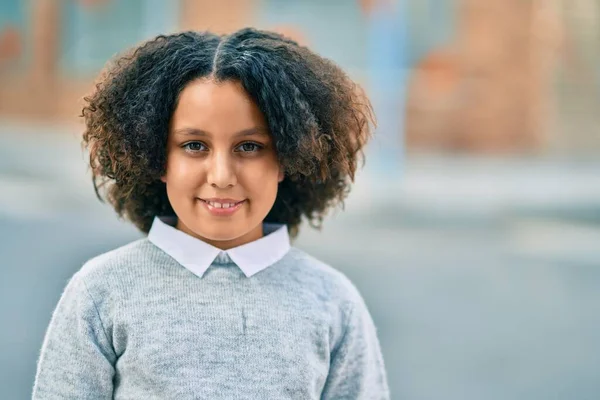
[{"x": 217, "y": 147}]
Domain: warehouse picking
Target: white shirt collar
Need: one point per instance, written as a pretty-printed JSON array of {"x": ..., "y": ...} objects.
[{"x": 197, "y": 255}]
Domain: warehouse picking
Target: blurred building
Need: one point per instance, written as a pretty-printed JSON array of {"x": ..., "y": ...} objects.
[
  {"x": 518, "y": 76},
  {"x": 482, "y": 76}
]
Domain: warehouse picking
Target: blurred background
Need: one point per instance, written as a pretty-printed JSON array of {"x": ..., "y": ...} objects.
[{"x": 473, "y": 231}]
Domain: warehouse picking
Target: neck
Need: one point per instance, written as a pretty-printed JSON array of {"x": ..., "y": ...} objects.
[{"x": 227, "y": 244}]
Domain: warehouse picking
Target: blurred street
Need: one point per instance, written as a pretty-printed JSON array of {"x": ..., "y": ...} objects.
[{"x": 481, "y": 274}]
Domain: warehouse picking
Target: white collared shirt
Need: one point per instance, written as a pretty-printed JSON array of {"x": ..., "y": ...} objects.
[{"x": 197, "y": 255}]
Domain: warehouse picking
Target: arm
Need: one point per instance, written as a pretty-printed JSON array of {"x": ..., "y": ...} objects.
[
  {"x": 77, "y": 359},
  {"x": 357, "y": 370}
]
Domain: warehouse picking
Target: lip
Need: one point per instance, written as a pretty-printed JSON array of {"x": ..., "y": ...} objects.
[
  {"x": 222, "y": 212},
  {"x": 221, "y": 200}
]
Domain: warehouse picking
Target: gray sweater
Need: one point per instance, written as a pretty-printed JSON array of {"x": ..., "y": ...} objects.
[{"x": 134, "y": 324}]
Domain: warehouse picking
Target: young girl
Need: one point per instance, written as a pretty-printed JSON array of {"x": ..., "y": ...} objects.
[{"x": 217, "y": 147}]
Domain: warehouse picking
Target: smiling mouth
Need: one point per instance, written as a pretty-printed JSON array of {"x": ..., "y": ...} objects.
[
  {"x": 223, "y": 208},
  {"x": 222, "y": 204}
]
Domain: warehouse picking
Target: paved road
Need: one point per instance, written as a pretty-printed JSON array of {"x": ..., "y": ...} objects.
[{"x": 482, "y": 300}]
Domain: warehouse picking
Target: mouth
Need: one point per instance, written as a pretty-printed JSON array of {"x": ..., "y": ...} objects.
[{"x": 222, "y": 207}]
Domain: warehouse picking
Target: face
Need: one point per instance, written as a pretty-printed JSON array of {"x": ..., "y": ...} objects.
[{"x": 222, "y": 171}]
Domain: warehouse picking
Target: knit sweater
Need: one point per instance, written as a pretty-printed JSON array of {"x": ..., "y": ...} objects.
[{"x": 134, "y": 324}]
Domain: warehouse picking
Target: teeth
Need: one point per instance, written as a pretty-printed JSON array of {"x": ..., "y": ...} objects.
[{"x": 221, "y": 205}]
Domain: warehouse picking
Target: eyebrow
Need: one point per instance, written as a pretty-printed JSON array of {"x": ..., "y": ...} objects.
[{"x": 199, "y": 132}]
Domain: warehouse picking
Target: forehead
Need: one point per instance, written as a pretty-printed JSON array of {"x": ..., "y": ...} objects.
[{"x": 220, "y": 108}]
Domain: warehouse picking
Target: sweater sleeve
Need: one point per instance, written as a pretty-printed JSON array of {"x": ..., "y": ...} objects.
[
  {"x": 357, "y": 370},
  {"x": 77, "y": 359}
]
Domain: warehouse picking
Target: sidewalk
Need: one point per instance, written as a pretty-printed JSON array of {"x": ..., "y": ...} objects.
[
  {"x": 484, "y": 186},
  {"x": 43, "y": 171}
]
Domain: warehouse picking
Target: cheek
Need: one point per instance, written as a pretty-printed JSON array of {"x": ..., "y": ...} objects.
[
  {"x": 181, "y": 172},
  {"x": 261, "y": 179}
]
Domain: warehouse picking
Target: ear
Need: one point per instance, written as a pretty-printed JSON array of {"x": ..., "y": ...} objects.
[
  {"x": 281, "y": 174},
  {"x": 163, "y": 179}
]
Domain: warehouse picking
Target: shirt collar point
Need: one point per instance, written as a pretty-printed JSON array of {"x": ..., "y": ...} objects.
[{"x": 196, "y": 255}]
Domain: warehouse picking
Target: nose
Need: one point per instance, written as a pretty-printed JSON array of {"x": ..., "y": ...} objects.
[{"x": 221, "y": 172}]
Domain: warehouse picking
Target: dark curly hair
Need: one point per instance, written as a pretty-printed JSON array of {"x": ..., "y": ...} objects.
[{"x": 318, "y": 117}]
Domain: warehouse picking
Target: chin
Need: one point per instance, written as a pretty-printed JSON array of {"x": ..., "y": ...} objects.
[
  {"x": 220, "y": 234},
  {"x": 219, "y": 230}
]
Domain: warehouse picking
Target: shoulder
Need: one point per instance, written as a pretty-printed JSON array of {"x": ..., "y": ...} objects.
[
  {"x": 319, "y": 275},
  {"x": 346, "y": 305},
  {"x": 101, "y": 282},
  {"x": 115, "y": 265}
]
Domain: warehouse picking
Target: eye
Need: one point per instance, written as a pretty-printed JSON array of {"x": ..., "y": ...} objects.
[
  {"x": 194, "y": 147},
  {"x": 249, "y": 147}
]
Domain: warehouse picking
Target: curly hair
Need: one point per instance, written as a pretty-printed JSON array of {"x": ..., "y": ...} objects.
[{"x": 318, "y": 117}]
